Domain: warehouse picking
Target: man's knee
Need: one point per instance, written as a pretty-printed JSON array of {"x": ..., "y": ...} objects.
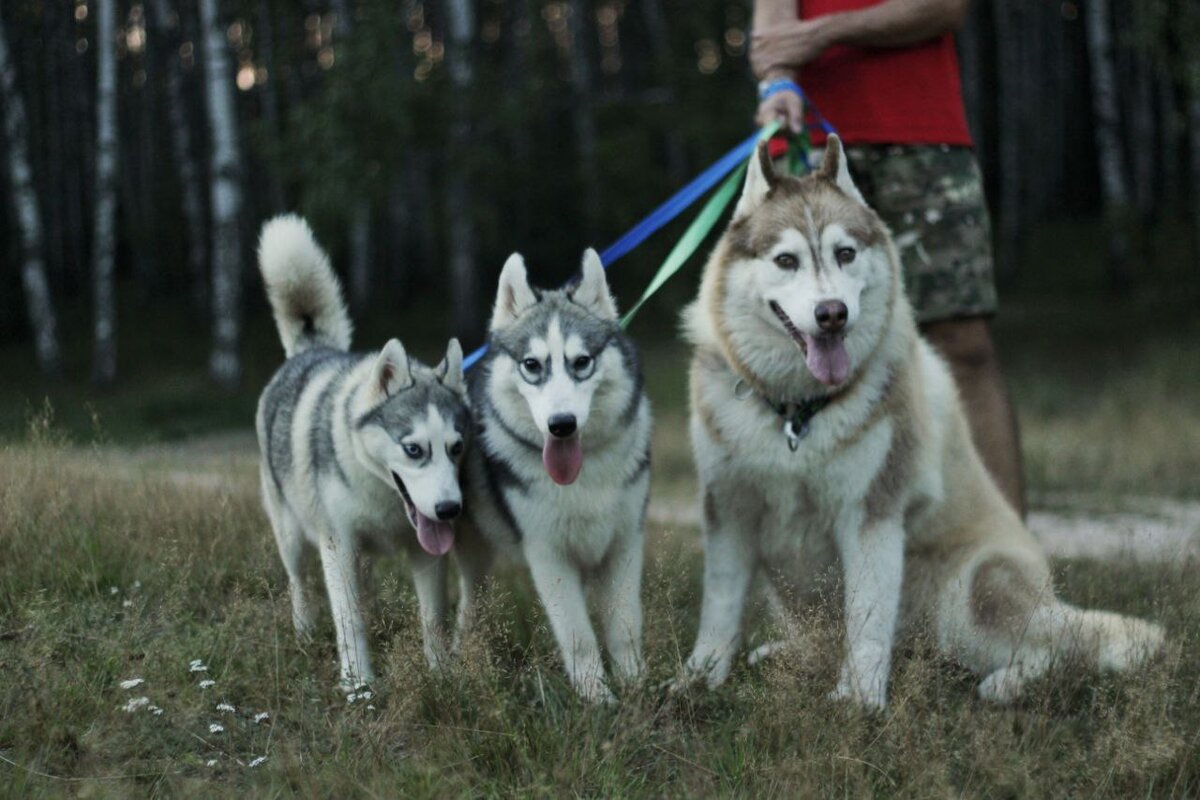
[{"x": 965, "y": 343}]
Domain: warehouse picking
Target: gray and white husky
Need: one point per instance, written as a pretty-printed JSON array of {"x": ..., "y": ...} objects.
[
  {"x": 830, "y": 440},
  {"x": 353, "y": 445},
  {"x": 559, "y": 473}
]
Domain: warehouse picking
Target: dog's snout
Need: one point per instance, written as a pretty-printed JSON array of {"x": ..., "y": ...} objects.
[
  {"x": 832, "y": 315},
  {"x": 562, "y": 425},
  {"x": 448, "y": 509}
]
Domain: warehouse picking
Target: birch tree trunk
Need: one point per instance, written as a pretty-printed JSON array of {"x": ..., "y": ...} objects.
[
  {"x": 29, "y": 219},
  {"x": 460, "y": 222},
  {"x": 660, "y": 43},
  {"x": 225, "y": 363},
  {"x": 179, "y": 119},
  {"x": 582, "y": 117},
  {"x": 1108, "y": 140},
  {"x": 104, "y": 311},
  {"x": 360, "y": 212},
  {"x": 1194, "y": 161}
]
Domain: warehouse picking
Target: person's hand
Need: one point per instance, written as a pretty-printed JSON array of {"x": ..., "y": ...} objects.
[
  {"x": 788, "y": 46},
  {"x": 785, "y": 106}
]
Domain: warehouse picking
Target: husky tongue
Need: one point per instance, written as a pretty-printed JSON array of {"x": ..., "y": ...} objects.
[
  {"x": 563, "y": 459},
  {"x": 435, "y": 536},
  {"x": 827, "y": 359}
]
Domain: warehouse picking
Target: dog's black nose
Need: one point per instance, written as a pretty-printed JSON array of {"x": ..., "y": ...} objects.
[
  {"x": 832, "y": 315},
  {"x": 562, "y": 425},
  {"x": 448, "y": 509}
]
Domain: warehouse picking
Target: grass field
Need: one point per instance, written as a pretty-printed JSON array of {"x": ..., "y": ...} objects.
[{"x": 130, "y": 550}]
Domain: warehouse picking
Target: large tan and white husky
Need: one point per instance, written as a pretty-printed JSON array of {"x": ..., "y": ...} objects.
[{"x": 829, "y": 435}]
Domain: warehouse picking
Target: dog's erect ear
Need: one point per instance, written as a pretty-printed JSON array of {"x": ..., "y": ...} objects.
[
  {"x": 391, "y": 372},
  {"x": 450, "y": 371},
  {"x": 836, "y": 168},
  {"x": 592, "y": 291},
  {"x": 515, "y": 294},
  {"x": 760, "y": 179}
]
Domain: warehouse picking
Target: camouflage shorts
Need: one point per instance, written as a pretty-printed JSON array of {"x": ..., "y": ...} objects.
[{"x": 931, "y": 196}]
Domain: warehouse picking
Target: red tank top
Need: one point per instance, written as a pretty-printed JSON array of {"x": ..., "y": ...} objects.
[{"x": 888, "y": 95}]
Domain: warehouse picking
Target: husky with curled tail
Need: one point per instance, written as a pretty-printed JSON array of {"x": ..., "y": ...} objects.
[
  {"x": 830, "y": 443},
  {"x": 360, "y": 451},
  {"x": 560, "y": 472}
]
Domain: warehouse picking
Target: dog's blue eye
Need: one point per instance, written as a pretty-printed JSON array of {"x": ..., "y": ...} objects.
[
  {"x": 786, "y": 261},
  {"x": 412, "y": 450}
]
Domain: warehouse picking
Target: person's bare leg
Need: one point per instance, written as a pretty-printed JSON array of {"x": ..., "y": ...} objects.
[{"x": 967, "y": 345}]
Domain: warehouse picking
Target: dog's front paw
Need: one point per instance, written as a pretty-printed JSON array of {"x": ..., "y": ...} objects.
[{"x": 867, "y": 688}]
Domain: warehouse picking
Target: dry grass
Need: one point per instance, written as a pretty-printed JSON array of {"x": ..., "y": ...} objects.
[{"x": 110, "y": 572}]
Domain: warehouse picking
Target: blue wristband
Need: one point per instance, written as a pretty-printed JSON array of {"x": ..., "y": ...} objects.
[{"x": 768, "y": 88}]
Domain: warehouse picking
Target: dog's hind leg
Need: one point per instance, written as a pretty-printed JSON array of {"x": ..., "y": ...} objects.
[
  {"x": 429, "y": 579},
  {"x": 474, "y": 560},
  {"x": 293, "y": 552}
]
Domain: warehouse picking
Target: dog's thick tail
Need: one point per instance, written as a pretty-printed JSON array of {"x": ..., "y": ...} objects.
[
  {"x": 305, "y": 294},
  {"x": 1104, "y": 640}
]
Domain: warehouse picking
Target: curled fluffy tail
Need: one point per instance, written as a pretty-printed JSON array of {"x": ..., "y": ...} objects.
[
  {"x": 1106, "y": 640},
  {"x": 305, "y": 295}
]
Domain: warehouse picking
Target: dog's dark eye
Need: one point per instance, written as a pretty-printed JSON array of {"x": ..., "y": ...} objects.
[
  {"x": 581, "y": 363},
  {"x": 845, "y": 255},
  {"x": 786, "y": 261},
  {"x": 456, "y": 449},
  {"x": 412, "y": 450},
  {"x": 532, "y": 365}
]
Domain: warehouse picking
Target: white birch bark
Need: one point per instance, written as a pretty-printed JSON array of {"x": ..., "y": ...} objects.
[
  {"x": 29, "y": 219},
  {"x": 460, "y": 223},
  {"x": 104, "y": 311},
  {"x": 180, "y": 120},
  {"x": 360, "y": 212},
  {"x": 1108, "y": 138},
  {"x": 225, "y": 198}
]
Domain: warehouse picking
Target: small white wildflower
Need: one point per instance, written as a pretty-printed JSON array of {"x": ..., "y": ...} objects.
[
  {"x": 207, "y": 682},
  {"x": 137, "y": 585},
  {"x": 216, "y": 727},
  {"x": 197, "y": 666},
  {"x": 225, "y": 707},
  {"x": 134, "y": 704},
  {"x": 155, "y": 710},
  {"x": 370, "y": 708},
  {"x": 212, "y": 762},
  {"x": 132, "y": 682},
  {"x": 113, "y": 590},
  {"x": 126, "y": 604},
  {"x": 262, "y": 717},
  {"x": 256, "y": 762}
]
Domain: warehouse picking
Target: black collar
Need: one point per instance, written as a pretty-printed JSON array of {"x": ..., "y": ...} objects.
[{"x": 796, "y": 415}]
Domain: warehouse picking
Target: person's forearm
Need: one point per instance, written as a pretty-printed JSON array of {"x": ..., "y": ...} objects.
[
  {"x": 769, "y": 14},
  {"x": 894, "y": 23}
]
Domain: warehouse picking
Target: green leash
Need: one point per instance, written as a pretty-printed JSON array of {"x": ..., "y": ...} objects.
[{"x": 708, "y": 217}]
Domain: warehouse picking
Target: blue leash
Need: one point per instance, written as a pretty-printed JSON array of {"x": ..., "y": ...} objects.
[{"x": 669, "y": 210}]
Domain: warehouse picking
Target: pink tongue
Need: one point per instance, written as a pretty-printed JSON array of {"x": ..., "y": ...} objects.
[
  {"x": 827, "y": 359},
  {"x": 435, "y": 536},
  {"x": 563, "y": 458}
]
